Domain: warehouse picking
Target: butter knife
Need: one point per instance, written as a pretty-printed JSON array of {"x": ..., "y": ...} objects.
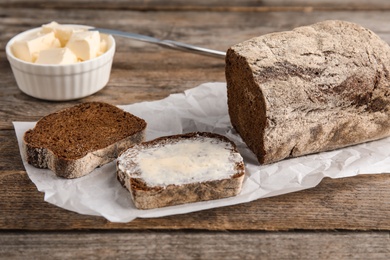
[{"x": 164, "y": 43}]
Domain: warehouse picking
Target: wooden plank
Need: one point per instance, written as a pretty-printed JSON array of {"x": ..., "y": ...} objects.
[
  {"x": 204, "y": 5},
  {"x": 195, "y": 245},
  {"x": 9, "y": 151}
]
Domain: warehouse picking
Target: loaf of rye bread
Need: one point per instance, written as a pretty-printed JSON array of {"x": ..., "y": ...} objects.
[
  {"x": 180, "y": 169},
  {"x": 315, "y": 88},
  {"x": 74, "y": 141}
]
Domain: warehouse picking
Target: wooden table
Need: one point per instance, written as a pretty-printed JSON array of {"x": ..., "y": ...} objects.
[{"x": 338, "y": 219}]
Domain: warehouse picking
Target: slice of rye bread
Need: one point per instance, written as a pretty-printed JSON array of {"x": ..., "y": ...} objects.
[
  {"x": 180, "y": 169},
  {"x": 74, "y": 141}
]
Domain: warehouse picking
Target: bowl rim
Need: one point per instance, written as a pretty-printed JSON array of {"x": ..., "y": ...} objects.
[{"x": 10, "y": 55}]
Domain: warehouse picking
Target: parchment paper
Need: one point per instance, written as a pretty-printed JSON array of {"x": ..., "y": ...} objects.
[{"x": 203, "y": 108}]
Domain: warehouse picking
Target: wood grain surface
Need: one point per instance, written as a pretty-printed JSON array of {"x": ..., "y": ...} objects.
[
  {"x": 345, "y": 218},
  {"x": 195, "y": 245}
]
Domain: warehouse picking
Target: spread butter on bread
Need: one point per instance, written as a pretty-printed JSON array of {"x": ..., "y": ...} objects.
[
  {"x": 74, "y": 141},
  {"x": 313, "y": 89},
  {"x": 180, "y": 169}
]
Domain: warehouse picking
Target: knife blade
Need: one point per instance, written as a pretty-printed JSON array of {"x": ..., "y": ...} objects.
[{"x": 164, "y": 43}]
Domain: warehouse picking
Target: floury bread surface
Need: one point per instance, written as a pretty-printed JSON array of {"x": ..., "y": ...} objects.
[
  {"x": 312, "y": 89},
  {"x": 180, "y": 169}
]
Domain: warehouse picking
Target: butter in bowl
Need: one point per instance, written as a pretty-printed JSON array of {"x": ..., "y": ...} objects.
[{"x": 61, "y": 62}]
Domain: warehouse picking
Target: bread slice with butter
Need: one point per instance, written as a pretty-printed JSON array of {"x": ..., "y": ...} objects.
[
  {"x": 74, "y": 141},
  {"x": 180, "y": 169}
]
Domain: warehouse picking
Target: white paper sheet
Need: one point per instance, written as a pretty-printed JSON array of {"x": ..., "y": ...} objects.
[{"x": 203, "y": 108}]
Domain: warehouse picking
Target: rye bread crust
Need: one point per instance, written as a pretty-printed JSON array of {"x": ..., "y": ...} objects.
[
  {"x": 148, "y": 197},
  {"x": 315, "y": 88},
  {"x": 76, "y": 150}
]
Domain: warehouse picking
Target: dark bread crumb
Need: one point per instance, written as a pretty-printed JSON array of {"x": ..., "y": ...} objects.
[
  {"x": 73, "y": 132},
  {"x": 74, "y": 141}
]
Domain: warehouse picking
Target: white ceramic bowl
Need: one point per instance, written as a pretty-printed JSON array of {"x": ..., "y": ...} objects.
[{"x": 62, "y": 82}]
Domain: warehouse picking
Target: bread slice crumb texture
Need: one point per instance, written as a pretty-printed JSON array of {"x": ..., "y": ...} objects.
[{"x": 74, "y": 132}]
